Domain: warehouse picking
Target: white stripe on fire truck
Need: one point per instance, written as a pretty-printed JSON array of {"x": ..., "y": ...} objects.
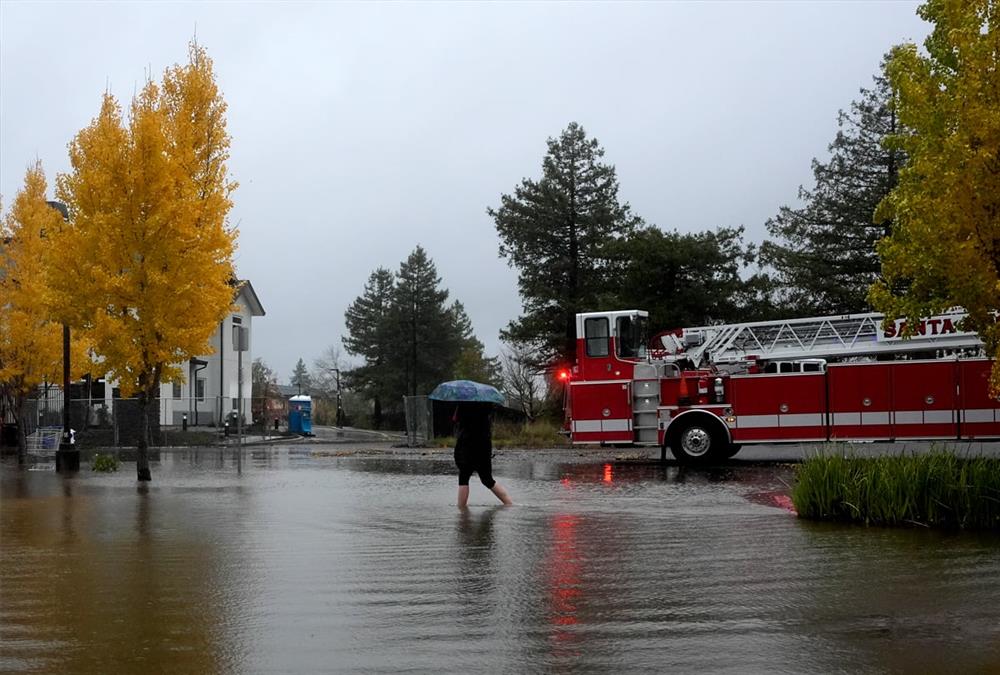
[
  {"x": 616, "y": 425},
  {"x": 800, "y": 420},
  {"x": 756, "y": 421},
  {"x": 982, "y": 415},
  {"x": 791, "y": 420},
  {"x": 874, "y": 418},
  {"x": 590, "y": 426},
  {"x": 854, "y": 419}
]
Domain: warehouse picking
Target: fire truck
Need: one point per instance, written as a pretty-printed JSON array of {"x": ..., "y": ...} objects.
[{"x": 706, "y": 391}]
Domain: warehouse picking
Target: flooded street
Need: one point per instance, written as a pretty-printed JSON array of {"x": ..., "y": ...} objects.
[{"x": 295, "y": 563}]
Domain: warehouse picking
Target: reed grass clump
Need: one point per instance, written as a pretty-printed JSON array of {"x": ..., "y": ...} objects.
[
  {"x": 104, "y": 463},
  {"x": 938, "y": 489}
]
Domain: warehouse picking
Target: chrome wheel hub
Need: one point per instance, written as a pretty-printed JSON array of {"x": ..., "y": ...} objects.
[{"x": 695, "y": 441}]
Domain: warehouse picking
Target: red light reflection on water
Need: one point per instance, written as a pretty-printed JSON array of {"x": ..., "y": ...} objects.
[
  {"x": 563, "y": 567},
  {"x": 607, "y": 473}
]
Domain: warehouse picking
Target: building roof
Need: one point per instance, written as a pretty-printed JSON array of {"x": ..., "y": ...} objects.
[{"x": 253, "y": 302}]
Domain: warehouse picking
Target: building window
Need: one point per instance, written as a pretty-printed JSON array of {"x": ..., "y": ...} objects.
[
  {"x": 199, "y": 389},
  {"x": 237, "y": 320},
  {"x": 177, "y": 389}
]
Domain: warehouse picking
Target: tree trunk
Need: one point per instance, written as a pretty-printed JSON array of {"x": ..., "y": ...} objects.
[
  {"x": 142, "y": 455},
  {"x": 377, "y": 413},
  {"x": 22, "y": 430}
]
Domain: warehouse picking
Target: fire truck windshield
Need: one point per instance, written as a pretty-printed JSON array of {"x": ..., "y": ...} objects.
[{"x": 631, "y": 337}]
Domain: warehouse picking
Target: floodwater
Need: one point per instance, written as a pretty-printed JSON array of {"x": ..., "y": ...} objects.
[{"x": 291, "y": 563}]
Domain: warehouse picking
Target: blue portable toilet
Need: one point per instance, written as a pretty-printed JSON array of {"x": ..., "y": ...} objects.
[{"x": 300, "y": 414}]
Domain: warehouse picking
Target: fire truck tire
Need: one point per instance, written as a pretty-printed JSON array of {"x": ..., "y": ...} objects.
[{"x": 696, "y": 440}]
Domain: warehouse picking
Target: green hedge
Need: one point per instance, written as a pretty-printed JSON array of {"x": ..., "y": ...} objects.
[{"x": 935, "y": 489}]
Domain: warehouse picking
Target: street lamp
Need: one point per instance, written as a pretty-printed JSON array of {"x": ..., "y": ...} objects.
[
  {"x": 67, "y": 456},
  {"x": 340, "y": 409}
]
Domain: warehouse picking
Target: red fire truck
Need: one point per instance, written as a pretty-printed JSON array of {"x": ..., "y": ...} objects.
[{"x": 704, "y": 392}]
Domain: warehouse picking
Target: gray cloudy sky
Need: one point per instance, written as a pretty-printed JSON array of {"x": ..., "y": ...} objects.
[{"x": 362, "y": 130}]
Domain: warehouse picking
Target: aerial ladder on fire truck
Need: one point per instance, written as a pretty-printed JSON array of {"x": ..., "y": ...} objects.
[{"x": 846, "y": 336}]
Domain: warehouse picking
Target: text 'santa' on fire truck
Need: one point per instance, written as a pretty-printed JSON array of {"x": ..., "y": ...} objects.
[{"x": 705, "y": 392}]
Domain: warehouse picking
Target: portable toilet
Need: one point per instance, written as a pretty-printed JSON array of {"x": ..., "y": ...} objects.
[{"x": 300, "y": 414}]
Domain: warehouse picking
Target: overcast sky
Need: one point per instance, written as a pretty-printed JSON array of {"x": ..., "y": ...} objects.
[{"x": 362, "y": 130}]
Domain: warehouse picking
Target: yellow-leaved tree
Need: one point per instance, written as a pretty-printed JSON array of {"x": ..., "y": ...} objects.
[
  {"x": 944, "y": 250},
  {"x": 148, "y": 196},
  {"x": 31, "y": 343}
]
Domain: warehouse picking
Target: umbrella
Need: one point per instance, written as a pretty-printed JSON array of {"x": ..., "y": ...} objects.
[{"x": 467, "y": 391}]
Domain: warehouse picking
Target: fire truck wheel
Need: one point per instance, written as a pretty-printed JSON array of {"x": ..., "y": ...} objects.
[{"x": 695, "y": 441}]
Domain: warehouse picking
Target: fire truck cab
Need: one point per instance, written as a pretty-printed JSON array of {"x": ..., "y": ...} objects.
[{"x": 704, "y": 392}]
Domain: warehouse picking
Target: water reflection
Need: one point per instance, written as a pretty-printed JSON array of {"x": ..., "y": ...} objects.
[{"x": 285, "y": 562}]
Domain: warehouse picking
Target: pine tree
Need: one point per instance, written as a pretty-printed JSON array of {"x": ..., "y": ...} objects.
[
  {"x": 300, "y": 377},
  {"x": 824, "y": 252},
  {"x": 422, "y": 327},
  {"x": 555, "y": 232},
  {"x": 690, "y": 279},
  {"x": 471, "y": 362},
  {"x": 369, "y": 336}
]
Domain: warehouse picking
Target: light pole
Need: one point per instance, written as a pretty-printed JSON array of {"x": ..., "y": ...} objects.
[
  {"x": 340, "y": 409},
  {"x": 67, "y": 456}
]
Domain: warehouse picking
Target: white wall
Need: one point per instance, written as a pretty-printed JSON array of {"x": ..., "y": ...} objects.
[{"x": 220, "y": 390}]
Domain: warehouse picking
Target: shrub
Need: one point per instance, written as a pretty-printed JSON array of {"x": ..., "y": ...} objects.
[
  {"x": 935, "y": 489},
  {"x": 104, "y": 463}
]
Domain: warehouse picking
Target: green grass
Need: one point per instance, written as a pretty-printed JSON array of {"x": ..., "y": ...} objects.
[
  {"x": 938, "y": 489},
  {"x": 104, "y": 463},
  {"x": 537, "y": 434}
]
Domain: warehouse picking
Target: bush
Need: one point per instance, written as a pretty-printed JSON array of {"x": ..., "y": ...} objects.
[
  {"x": 934, "y": 489},
  {"x": 104, "y": 463}
]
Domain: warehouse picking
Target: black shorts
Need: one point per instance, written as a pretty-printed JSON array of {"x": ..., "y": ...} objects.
[{"x": 475, "y": 462}]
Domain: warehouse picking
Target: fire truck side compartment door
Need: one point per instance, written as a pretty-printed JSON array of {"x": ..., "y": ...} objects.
[
  {"x": 980, "y": 413},
  {"x": 924, "y": 399},
  {"x": 602, "y": 412}
]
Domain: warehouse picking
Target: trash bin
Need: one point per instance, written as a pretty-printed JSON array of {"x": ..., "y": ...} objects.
[{"x": 300, "y": 414}]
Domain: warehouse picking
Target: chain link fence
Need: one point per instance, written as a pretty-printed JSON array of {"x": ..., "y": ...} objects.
[
  {"x": 419, "y": 420},
  {"x": 117, "y": 421}
]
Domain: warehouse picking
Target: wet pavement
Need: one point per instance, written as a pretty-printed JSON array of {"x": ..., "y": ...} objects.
[{"x": 293, "y": 559}]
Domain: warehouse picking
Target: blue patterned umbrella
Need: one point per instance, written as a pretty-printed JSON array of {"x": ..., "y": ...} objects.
[{"x": 467, "y": 391}]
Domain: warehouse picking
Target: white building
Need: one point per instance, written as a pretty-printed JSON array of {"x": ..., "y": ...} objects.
[{"x": 210, "y": 394}]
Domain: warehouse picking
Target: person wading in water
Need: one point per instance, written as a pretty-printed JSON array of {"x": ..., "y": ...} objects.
[{"x": 474, "y": 450}]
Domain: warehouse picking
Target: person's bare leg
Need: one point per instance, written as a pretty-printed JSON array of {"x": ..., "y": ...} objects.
[
  {"x": 463, "y": 496},
  {"x": 501, "y": 494}
]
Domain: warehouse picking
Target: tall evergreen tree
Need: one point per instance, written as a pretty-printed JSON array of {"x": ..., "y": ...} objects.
[
  {"x": 824, "y": 253},
  {"x": 300, "y": 377},
  {"x": 471, "y": 362},
  {"x": 422, "y": 326},
  {"x": 690, "y": 279},
  {"x": 555, "y": 231},
  {"x": 369, "y": 336}
]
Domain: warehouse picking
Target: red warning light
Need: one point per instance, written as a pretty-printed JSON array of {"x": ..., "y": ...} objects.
[{"x": 563, "y": 375}]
